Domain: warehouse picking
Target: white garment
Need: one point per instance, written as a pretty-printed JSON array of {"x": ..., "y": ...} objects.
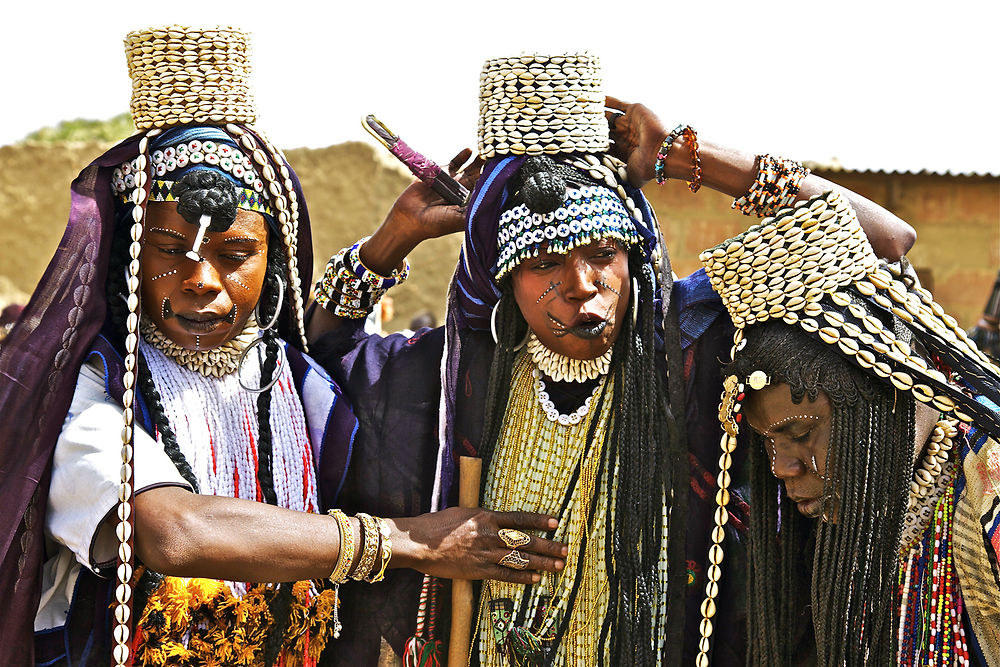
[{"x": 86, "y": 473}]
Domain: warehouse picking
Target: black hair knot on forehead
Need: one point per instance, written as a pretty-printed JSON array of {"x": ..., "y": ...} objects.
[
  {"x": 541, "y": 183},
  {"x": 206, "y": 192}
]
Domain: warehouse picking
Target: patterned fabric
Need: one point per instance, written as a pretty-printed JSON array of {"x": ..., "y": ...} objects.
[{"x": 977, "y": 541}]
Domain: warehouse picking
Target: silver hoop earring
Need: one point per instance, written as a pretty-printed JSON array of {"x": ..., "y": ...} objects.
[
  {"x": 493, "y": 329},
  {"x": 239, "y": 368},
  {"x": 493, "y": 323},
  {"x": 635, "y": 301},
  {"x": 277, "y": 311}
]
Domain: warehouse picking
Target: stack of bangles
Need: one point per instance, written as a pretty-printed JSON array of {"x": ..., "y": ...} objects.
[
  {"x": 376, "y": 549},
  {"x": 691, "y": 139},
  {"x": 350, "y": 289},
  {"x": 777, "y": 185}
]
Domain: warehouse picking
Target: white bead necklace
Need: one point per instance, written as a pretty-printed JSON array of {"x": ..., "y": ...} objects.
[
  {"x": 214, "y": 362},
  {"x": 565, "y": 369},
  {"x": 551, "y": 413}
]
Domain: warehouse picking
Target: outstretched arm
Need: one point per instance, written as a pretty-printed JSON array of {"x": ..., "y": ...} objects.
[
  {"x": 639, "y": 133},
  {"x": 184, "y": 534}
]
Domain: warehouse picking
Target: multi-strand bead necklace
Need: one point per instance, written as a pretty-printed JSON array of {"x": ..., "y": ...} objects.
[
  {"x": 542, "y": 465},
  {"x": 930, "y": 613}
]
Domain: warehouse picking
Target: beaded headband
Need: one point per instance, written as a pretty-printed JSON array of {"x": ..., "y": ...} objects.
[
  {"x": 218, "y": 155},
  {"x": 182, "y": 76},
  {"x": 812, "y": 266},
  {"x": 537, "y": 104},
  {"x": 589, "y": 213}
]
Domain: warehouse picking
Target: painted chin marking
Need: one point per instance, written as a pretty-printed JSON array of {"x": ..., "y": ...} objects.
[{"x": 165, "y": 311}]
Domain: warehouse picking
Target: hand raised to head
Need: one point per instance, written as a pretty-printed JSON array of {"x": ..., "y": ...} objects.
[{"x": 637, "y": 134}]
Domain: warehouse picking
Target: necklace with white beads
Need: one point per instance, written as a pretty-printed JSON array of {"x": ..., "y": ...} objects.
[
  {"x": 551, "y": 413},
  {"x": 565, "y": 369}
]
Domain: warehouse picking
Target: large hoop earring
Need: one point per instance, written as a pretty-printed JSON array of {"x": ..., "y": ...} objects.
[
  {"x": 635, "y": 301},
  {"x": 493, "y": 329},
  {"x": 493, "y": 323},
  {"x": 239, "y": 368},
  {"x": 277, "y": 311}
]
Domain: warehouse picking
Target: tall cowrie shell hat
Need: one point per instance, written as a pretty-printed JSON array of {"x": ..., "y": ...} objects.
[
  {"x": 536, "y": 104},
  {"x": 182, "y": 76}
]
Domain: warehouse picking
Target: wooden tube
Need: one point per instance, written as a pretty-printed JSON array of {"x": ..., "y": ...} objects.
[{"x": 470, "y": 470}]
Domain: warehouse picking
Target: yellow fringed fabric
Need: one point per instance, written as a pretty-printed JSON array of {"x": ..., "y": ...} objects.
[{"x": 188, "y": 622}]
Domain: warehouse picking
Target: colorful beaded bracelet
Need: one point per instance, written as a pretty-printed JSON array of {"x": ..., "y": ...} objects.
[
  {"x": 369, "y": 277},
  {"x": 660, "y": 167},
  {"x": 776, "y": 185}
]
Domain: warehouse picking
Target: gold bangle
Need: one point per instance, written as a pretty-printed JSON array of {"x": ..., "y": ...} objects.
[
  {"x": 383, "y": 526},
  {"x": 339, "y": 574},
  {"x": 370, "y": 552}
]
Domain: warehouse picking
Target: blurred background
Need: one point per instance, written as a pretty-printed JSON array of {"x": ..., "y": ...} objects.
[{"x": 897, "y": 101}]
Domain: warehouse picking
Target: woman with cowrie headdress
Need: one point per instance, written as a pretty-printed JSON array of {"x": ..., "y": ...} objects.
[
  {"x": 172, "y": 459},
  {"x": 562, "y": 369},
  {"x": 874, "y": 452}
]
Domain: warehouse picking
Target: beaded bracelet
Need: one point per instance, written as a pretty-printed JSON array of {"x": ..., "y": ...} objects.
[
  {"x": 339, "y": 574},
  {"x": 660, "y": 167},
  {"x": 776, "y": 185},
  {"x": 369, "y": 277},
  {"x": 386, "y": 551},
  {"x": 371, "y": 548},
  {"x": 349, "y": 289},
  {"x": 692, "y": 139}
]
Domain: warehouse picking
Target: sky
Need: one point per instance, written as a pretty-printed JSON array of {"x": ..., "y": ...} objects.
[{"x": 881, "y": 85}]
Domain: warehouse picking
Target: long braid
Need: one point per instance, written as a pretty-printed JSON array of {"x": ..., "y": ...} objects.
[
  {"x": 280, "y": 604},
  {"x": 854, "y": 560},
  {"x": 511, "y": 328},
  {"x": 268, "y": 304},
  {"x": 647, "y": 476}
]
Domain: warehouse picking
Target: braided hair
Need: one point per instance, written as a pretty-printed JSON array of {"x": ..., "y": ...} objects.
[
  {"x": 642, "y": 444},
  {"x": 852, "y": 572}
]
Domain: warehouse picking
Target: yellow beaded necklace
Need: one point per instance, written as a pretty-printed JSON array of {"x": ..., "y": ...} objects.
[{"x": 534, "y": 469}]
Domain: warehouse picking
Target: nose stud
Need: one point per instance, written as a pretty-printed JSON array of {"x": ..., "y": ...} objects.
[{"x": 200, "y": 284}]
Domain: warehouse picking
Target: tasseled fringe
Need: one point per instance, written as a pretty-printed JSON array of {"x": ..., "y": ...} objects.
[
  {"x": 423, "y": 649},
  {"x": 420, "y": 652},
  {"x": 189, "y": 622}
]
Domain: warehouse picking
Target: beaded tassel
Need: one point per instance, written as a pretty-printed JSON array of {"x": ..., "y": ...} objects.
[{"x": 930, "y": 619}]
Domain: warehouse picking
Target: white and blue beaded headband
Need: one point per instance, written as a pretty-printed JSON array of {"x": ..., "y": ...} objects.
[
  {"x": 212, "y": 154},
  {"x": 589, "y": 213}
]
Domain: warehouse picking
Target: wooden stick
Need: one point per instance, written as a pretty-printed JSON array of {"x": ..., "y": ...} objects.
[{"x": 470, "y": 472}]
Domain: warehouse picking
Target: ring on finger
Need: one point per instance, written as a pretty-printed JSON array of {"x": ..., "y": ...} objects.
[
  {"x": 513, "y": 538},
  {"x": 514, "y": 560}
]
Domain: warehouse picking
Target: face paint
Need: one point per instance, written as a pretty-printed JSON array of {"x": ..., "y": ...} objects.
[
  {"x": 600, "y": 283},
  {"x": 548, "y": 289}
]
